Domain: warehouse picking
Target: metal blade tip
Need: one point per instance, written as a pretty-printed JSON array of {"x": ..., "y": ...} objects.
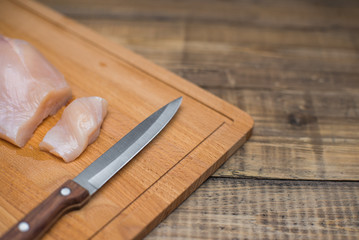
[{"x": 175, "y": 103}]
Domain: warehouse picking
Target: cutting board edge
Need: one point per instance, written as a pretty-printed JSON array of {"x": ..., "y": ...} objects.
[
  {"x": 115, "y": 225},
  {"x": 238, "y": 119},
  {"x": 170, "y": 208}
]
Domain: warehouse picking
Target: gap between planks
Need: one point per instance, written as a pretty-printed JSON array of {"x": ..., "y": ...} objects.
[{"x": 243, "y": 177}]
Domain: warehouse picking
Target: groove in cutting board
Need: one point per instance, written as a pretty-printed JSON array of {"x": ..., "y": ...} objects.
[{"x": 154, "y": 183}]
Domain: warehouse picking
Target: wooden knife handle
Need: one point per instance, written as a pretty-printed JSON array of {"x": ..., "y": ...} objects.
[{"x": 68, "y": 197}]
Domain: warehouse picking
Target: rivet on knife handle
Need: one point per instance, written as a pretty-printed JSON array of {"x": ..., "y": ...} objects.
[{"x": 67, "y": 197}]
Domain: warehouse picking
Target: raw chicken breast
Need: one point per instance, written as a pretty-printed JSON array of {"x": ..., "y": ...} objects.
[
  {"x": 30, "y": 90},
  {"x": 78, "y": 127}
]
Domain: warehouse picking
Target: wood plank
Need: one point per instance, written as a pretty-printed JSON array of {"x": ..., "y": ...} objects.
[
  {"x": 282, "y": 56},
  {"x": 249, "y": 53},
  {"x": 265, "y": 209},
  {"x": 204, "y": 133},
  {"x": 296, "y": 135},
  {"x": 264, "y": 13}
]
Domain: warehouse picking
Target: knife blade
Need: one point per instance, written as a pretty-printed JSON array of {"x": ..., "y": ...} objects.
[{"x": 73, "y": 194}]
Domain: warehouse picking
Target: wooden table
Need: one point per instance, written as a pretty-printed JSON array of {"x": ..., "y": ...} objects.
[{"x": 294, "y": 67}]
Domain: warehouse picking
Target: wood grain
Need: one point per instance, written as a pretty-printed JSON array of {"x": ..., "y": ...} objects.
[
  {"x": 204, "y": 133},
  {"x": 226, "y": 208},
  {"x": 296, "y": 137},
  {"x": 292, "y": 65}
]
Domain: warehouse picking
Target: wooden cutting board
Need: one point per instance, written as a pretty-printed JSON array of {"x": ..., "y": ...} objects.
[{"x": 203, "y": 134}]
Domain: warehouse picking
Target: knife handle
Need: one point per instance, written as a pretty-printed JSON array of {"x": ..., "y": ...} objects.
[{"x": 68, "y": 197}]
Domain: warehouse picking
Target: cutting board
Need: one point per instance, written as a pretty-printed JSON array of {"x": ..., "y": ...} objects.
[{"x": 204, "y": 133}]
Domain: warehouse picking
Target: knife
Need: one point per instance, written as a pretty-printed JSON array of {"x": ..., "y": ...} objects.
[{"x": 75, "y": 193}]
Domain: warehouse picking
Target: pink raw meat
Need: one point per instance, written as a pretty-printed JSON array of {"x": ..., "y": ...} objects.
[
  {"x": 30, "y": 90},
  {"x": 78, "y": 127}
]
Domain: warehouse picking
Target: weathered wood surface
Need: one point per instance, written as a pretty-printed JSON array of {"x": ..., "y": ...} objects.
[
  {"x": 293, "y": 66},
  {"x": 226, "y": 208}
]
